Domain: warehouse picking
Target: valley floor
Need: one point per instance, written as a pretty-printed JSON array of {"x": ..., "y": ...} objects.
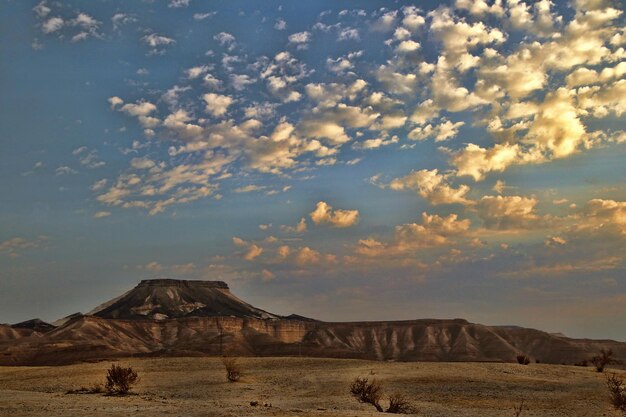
[{"x": 306, "y": 387}]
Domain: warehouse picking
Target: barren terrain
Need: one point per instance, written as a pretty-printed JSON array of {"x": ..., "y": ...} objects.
[{"x": 306, "y": 387}]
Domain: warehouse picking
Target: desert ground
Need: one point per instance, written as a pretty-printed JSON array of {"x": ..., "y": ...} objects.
[{"x": 306, "y": 387}]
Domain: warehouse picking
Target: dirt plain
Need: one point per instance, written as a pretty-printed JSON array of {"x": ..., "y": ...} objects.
[{"x": 306, "y": 387}]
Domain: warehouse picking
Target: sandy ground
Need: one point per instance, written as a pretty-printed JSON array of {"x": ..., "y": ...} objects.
[{"x": 305, "y": 387}]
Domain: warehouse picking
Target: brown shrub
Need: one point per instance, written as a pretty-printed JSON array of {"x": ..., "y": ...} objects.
[
  {"x": 617, "y": 390},
  {"x": 523, "y": 359},
  {"x": 398, "y": 404},
  {"x": 119, "y": 380},
  {"x": 367, "y": 392},
  {"x": 233, "y": 370},
  {"x": 602, "y": 359}
]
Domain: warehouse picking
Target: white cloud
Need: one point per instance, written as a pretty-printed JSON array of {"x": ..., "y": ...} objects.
[
  {"x": 442, "y": 131},
  {"x": 14, "y": 247},
  {"x": 216, "y": 104},
  {"x": 325, "y": 214},
  {"x": 477, "y": 162},
  {"x": 203, "y": 16},
  {"x": 348, "y": 34},
  {"x": 154, "y": 40},
  {"x": 432, "y": 186},
  {"x": 407, "y": 46},
  {"x": 280, "y": 24},
  {"x": 510, "y": 212},
  {"x": 52, "y": 25},
  {"x": 386, "y": 22},
  {"x": 178, "y": 3},
  {"x": 433, "y": 231},
  {"x": 225, "y": 39},
  {"x": 101, "y": 214},
  {"x": 301, "y": 39}
]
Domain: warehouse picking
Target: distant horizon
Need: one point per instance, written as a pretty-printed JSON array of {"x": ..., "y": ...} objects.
[{"x": 381, "y": 161}]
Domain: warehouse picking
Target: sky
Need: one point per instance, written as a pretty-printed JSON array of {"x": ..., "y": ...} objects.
[{"x": 340, "y": 160}]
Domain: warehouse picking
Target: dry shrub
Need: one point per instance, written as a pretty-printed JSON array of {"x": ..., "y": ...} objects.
[
  {"x": 371, "y": 392},
  {"x": 602, "y": 359},
  {"x": 119, "y": 380},
  {"x": 523, "y": 359},
  {"x": 398, "y": 404},
  {"x": 233, "y": 370},
  {"x": 617, "y": 390},
  {"x": 367, "y": 392}
]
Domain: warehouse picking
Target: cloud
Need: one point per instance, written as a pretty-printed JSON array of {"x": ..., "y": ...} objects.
[
  {"x": 442, "y": 131},
  {"x": 52, "y": 25},
  {"x": 253, "y": 252},
  {"x": 301, "y": 227},
  {"x": 280, "y": 24},
  {"x": 300, "y": 39},
  {"x": 348, "y": 34},
  {"x": 477, "y": 162},
  {"x": 120, "y": 19},
  {"x": 412, "y": 19},
  {"x": 510, "y": 212},
  {"x": 249, "y": 188},
  {"x": 217, "y": 104},
  {"x": 178, "y": 3},
  {"x": 14, "y": 247},
  {"x": 434, "y": 231},
  {"x": 41, "y": 9},
  {"x": 407, "y": 46},
  {"x": 156, "y": 42},
  {"x": 325, "y": 214},
  {"x": 432, "y": 186},
  {"x": 386, "y": 22},
  {"x": 306, "y": 256},
  {"x": 101, "y": 214},
  {"x": 602, "y": 215},
  {"x": 65, "y": 170},
  {"x": 203, "y": 16}
]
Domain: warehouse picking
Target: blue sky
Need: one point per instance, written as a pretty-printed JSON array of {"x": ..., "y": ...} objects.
[{"x": 384, "y": 161}]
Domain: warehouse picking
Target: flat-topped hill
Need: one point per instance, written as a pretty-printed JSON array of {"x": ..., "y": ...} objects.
[{"x": 167, "y": 298}]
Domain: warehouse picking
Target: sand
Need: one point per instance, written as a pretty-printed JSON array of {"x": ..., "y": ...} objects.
[{"x": 306, "y": 387}]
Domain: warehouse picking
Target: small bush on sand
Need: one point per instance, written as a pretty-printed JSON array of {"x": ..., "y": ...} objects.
[
  {"x": 367, "y": 392},
  {"x": 617, "y": 391},
  {"x": 602, "y": 359},
  {"x": 371, "y": 392},
  {"x": 233, "y": 370},
  {"x": 119, "y": 380},
  {"x": 523, "y": 359},
  {"x": 398, "y": 404}
]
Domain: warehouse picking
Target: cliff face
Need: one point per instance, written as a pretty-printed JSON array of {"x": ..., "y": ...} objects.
[
  {"x": 174, "y": 318},
  {"x": 92, "y": 337}
]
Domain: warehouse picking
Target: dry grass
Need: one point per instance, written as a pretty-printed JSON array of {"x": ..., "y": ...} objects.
[{"x": 307, "y": 387}]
